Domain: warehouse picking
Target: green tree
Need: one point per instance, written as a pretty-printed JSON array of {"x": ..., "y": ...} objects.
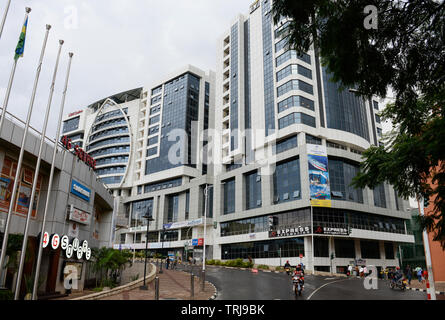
[
  {"x": 406, "y": 54},
  {"x": 109, "y": 262}
]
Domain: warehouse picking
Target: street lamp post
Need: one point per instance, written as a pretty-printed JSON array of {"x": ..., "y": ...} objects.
[
  {"x": 205, "y": 240},
  {"x": 149, "y": 218},
  {"x": 162, "y": 246}
]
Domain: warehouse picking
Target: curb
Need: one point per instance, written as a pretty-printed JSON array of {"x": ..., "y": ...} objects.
[
  {"x": 95, "y": 296},
  {"x": 424, "y": 290},
  {"x": 215, "y": 294}
]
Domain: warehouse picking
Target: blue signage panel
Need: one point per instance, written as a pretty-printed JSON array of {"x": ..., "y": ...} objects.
[
  {"x": 194, "y": 242},
  {"x": 80, "y": 190}
]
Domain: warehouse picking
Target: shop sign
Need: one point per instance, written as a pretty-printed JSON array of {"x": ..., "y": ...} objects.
[
  {"x": 79, "y": 216},
  {"x": 70, "y": 248},
  {"x": 331, "y": 231},
  {"x": 183, "y": 224},
  {"x": 297, "y": 231},
  {"x": 80, "y": 190},
  {"x": 72, "y": 114},
  {"x": 79, "y": 152}
]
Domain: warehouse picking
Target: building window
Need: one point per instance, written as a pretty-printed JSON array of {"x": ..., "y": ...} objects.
[
  {"x": 379, "y": 196},
  {"x": 229, "y": 196},
  {"x": 341, "y": 173},
  {"x": 187, "y": 205},
  {"x": 370, "y": 249},
  {"x": 286, "y": 144},
  {"x": 209, "y": 200},
  {"x": 253, "y": 190},
  {"x": 389, "y": 250},
  {"x": 153, "y": 140},
  {"x": 321, "y": 247},
  {"x": 296, "y": 101},
  {"x": 344, "y": 248},
  {"x": 296, "y": 118},
  {"x": 263, "y": 249},
  {"x": 71, "y": 124},
  {"x": 312, "y": 140},
  {"x": 123, "y": 237},
  {"x": 186, "y": 233},
  {"x": 172, "y": 208},
  {"x": 286, "y": 179},
  {"x": 152, "y": 151},
  {"x": 139, "y": 209}
]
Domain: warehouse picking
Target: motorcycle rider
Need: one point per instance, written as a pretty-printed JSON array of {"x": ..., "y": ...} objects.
[
  {"x": 299, "y": 272},
  {"x": 397, "y": 275},
  {"x": 287, "y": 264}
]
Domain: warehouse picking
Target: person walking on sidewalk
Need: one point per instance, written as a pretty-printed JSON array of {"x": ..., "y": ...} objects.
[
  {"x": 409, "y": 274},
  {"x": 167, "y": 262},
  {"x": 419, "y": 274}
]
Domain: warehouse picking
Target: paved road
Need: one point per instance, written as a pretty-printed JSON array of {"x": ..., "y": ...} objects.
[{"x": 234, "y": 284}]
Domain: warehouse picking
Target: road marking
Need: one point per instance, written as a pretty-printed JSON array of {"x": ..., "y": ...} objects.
[
  {"x": 330, "y": 278},
  {"x": 324, "y": 286}
]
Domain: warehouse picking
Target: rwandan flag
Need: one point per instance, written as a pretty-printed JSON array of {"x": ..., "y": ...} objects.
[{"x": 21, "y": 45}]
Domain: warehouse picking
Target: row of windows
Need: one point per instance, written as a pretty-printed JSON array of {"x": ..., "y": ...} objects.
[
  {"x": 293, "y": 69},
  {"x": 152, "y": 151},
  {"x": 152, "y": 141},
  {"x": 341, "y": 174},
  {"x": 286, "y": 144},
  {"x": 109, "y": 132},
  {"x": 71, "y": 124},
  {"x": 156, "y": 90},
  {"x": 313, "y": 140},
  {"x": 110, "y": 123},
  {"x": 295, "y": 85},
  {"x": 153, "y": 130},
  {"x": 108, "y": 142},
  {"x": 110, "y": 114},
  {"x": 112, "y": 150},
  {"x": 324, "y": 217},
  {"x": 160, "y": 185},
  {"x": 155, "y": 109},
  {"x": 120, "y": 159},
  {"x": 111, "y": 170},
  {"x": 296, "y": 101},
  {"x": 111, "y": 180},
  {"x": 296, "y": 117},
  {"x": 154, "y": 120},
  {"x": 76, "y": 137},
  {"x": 156, "y": 99},
  {"x": 268, "y": 68},
  {"x": 263, "y": 249},
  {"x": 292, "y": 54},
  {"x": 234, "y": 88}
]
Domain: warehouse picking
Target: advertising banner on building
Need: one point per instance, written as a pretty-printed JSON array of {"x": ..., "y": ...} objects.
[
  {"x": 331, "y": 230},
  {"x": 80, "y": 190},
  {"x": 320, "y": 193},
  {"x": 24, "y": 188},
  {"x": 80, "y": 216},
  {"x": 183, "y": 224}
]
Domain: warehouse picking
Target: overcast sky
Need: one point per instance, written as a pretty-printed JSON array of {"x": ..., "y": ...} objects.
[{"x": 117, "y": 44}]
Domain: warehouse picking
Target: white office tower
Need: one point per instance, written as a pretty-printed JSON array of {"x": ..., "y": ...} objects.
[
  {"x": 289, "y": 135},
  {"x": 148, "y": 148}
]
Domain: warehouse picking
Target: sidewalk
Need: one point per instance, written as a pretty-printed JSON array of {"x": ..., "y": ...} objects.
[
  {"x": 173, "y": 285},
  {"x": 440, "y": 287}
]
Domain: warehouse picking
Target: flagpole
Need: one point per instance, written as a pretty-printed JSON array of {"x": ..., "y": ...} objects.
[
  {"x": 11, "y": 79},
  {"x": 50, "y": 183},
  {"x": 4, "y": 18},
  {"x": 36, "y": 176},
  {"x": 19, "y": 164}
]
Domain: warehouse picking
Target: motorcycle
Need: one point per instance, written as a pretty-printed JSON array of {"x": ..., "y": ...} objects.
[
  {"x": 287, "y": 271},
  {"x": 298, "y": 284},
  {"x": 400, "y": 284}
]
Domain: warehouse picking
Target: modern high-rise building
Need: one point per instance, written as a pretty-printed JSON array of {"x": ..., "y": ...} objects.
[
  {"x": 288, "y": 136},
  {"x": 147, "y": 145},
  {"x": 285, "y": 145}
]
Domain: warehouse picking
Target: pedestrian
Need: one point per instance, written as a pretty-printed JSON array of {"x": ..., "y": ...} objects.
[
  {"x": 167, "y": 261},
  {"x": 365, "y": 271},
  {"x": 361, "y": 272},
  {"x": 175, "y": 263},
  {"x": 425, "y": 275},
  {"x": 409, "y": 275},
  {"x": 349, "y": 270},
  {"x": 419, "y": 274}
]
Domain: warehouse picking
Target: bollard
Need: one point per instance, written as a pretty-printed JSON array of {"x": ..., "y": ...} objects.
[
  {"x": 157, "y": 288},
  {"x": 203, "y": 280},
  {"x": 192, "y": 286}
]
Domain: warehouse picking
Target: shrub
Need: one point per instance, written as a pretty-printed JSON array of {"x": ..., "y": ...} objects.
[
  {"x": 210, "y": 262},
  {"x": 239, "y": 262},
  {"x": 99, "y": 289},
  {"x": 219, "y": 263},
  {"x": 6, "y": 295},
  {"x": 247, "y": 264},
  {"x": 263, "y": 266},
  {"x": 279, "y": 268}
]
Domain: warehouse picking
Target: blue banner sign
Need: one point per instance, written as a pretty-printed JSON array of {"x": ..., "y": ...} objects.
[{"x": 80, "y": 190}]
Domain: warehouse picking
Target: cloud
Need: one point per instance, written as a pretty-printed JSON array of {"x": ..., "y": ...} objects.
[{"x": 118, "y": 45}]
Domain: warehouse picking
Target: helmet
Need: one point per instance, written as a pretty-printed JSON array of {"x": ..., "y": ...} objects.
[
  {"x": 299, "y": 265},
  {"x": 397, "y": 268}
]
